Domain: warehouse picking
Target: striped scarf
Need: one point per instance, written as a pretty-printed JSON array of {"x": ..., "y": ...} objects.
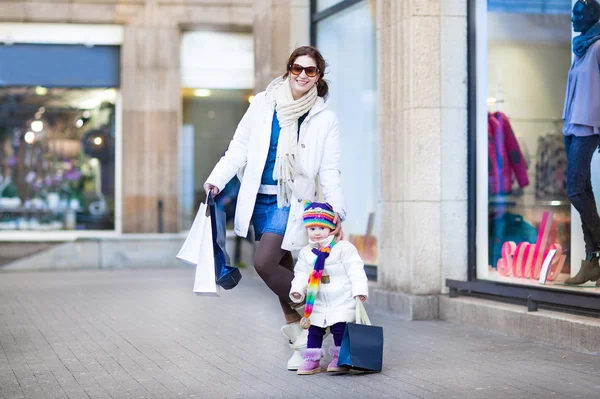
[{"x": 314, "y": 280}]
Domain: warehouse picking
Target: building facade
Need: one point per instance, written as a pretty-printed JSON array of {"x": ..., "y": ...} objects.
[
  {"x": 406, "y": 70},
  {"x": 414, "y": 85}
]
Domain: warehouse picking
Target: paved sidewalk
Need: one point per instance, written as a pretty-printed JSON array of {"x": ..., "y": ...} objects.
[{"x": 143, "y": 334}]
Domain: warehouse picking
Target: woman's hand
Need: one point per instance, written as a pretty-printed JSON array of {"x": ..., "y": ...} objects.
[
  {"x": 296, "y": 296},
  {"x": 209, "y": 187},
  {"x": 338, "y": 232},
  {"x": 362, "y": 298}
]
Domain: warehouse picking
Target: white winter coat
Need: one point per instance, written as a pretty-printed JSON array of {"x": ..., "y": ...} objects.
[
  {"x": 318, "y": 153},
  {"x": 335, "y": 301}
]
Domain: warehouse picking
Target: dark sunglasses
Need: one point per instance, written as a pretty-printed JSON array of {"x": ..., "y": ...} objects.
[{"x": 296, "y": 69}]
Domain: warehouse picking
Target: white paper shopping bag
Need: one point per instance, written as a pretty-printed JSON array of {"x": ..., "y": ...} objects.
[
  {"x": 191, "y": 247},
  {"x": 198, "y": 250}
]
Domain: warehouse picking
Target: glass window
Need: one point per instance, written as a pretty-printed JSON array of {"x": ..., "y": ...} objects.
[
  {"x": 528, "y": 56},
  {"x": 325, "y": 4},
  {"x": 352, "y": 82},
  {"x": 57, "y": 158},
  {"x": 210, "y": 117}
]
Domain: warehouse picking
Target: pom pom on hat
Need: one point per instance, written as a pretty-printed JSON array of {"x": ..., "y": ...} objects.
[{"x": 318, "y": 214}]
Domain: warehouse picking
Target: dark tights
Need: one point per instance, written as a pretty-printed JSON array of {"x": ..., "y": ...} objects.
[{"x": 276, "y": 267}]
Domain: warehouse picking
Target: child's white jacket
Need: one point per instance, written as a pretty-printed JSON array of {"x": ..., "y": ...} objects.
[{"x": 347, "y": 279}]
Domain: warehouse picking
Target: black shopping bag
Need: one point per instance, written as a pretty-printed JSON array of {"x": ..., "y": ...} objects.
[
  {"x": 362, "y": 345},
  {"x": 227, "y": 276}
]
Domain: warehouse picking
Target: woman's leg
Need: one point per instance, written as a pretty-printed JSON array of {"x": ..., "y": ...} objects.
[
  {"x": 267, "y": 262},
  {"x": 291, "y": 316},
  {"x": 288, "y": 261},
  {"x": 263, "y": 268}
]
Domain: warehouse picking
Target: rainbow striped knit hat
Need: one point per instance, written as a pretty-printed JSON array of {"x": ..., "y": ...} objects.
[{"x": 318, "y": 214}]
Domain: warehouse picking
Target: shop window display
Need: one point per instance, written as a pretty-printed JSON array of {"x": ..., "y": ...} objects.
[
  {"x": 57, "y": 159},
  {"x": 529, "y": 214},
  {"x": 543, "y": 170}
]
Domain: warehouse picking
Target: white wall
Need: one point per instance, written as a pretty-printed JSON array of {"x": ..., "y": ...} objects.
[{"x": 217, "y": 60}]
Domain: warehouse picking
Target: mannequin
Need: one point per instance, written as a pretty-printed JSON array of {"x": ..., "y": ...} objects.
[{"x": 582, "y": 131}]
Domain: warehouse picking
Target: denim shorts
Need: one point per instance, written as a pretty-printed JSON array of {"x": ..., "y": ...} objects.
[{"x": 267, "y": 218}]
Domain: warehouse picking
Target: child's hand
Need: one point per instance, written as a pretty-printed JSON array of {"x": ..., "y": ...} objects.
[
  {"x": 362, "y": 298},
  {"x": 297, "y": 296}
]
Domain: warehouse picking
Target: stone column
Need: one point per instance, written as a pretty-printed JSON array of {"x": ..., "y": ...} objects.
[
  {"x": 279, "y": 27},
  {"x": 422, "y": 70},
  {"x": 151, "y": 118}
]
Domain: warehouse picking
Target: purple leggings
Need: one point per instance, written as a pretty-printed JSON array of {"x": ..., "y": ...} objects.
[{"x": 316, "y": 334}]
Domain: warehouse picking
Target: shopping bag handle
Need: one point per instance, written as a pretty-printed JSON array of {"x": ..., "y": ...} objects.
[
  {"x": 209, "y": 201},
  {"x": 361, "y": 313}
]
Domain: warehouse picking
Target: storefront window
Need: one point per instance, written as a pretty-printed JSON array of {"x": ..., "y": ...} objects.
[
  {"x": 527, "y": 56},
  {"x": 217, "y": 78},
  {"x": 57, "y": 158},
  {"x": 325, "y": 4},
  {"x": 353, "y": 88},
  {"x": 210, "y": 117}
]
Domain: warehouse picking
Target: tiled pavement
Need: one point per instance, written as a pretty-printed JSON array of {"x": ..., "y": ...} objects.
[{"x": 143, "y": 334}]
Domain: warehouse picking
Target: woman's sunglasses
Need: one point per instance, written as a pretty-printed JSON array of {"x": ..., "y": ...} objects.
[{"x": 311, "y": 71}]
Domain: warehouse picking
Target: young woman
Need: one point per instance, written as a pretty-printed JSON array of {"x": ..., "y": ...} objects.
[{"x": 286, "y": 144}]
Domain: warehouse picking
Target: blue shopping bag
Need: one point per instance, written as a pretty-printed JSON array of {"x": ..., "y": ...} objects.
[
  {"x": 362, "y": 345},
  {"x": 227, "y": 276}
]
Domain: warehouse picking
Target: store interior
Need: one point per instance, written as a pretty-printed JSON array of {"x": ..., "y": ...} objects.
[
  {"x": 57, "y": 159},
  {"x": 529, "y": 56}
]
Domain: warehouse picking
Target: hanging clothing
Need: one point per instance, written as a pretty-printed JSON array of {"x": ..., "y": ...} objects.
[
  {"x": 551, "y": 168},
  {"x": 506, "y": 160},
  {"x": 508, "y": 227}
]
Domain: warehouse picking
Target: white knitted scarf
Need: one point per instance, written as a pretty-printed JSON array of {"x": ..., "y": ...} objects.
[{"x": 287, "y": 166}]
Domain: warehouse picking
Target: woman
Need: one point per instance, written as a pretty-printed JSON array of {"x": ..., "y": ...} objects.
[{"x": 287, "y": 138}]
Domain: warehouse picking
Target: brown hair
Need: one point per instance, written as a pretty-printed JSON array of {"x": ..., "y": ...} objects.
[{"x": 322, "y": 87}]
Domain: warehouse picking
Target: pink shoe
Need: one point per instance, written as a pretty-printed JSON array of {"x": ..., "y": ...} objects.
[
  {"x": 311, "y": 363},
  {"x": 333, "y": 365}
]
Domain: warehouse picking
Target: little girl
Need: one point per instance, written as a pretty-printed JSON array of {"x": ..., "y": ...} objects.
[{"x": 330, "y": 275}]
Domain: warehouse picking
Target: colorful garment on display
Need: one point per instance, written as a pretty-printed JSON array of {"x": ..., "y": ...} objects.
[
  {"x": 505, "y": 228},
  {"x": 506, "y": 159},
  {"x": 551, "y": 168},
  {"x": 314, "y": 280}
]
